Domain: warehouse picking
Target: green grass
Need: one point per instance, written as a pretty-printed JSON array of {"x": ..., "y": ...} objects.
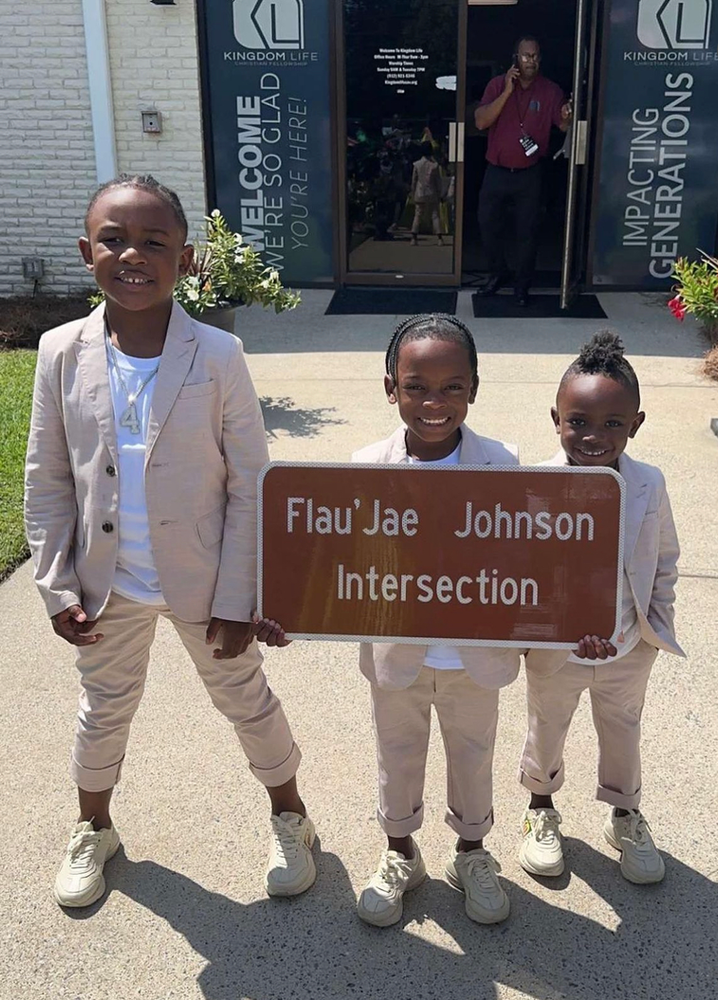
[{"x": 17, "y": 370}]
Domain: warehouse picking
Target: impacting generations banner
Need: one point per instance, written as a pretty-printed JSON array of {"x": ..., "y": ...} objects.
[
  {"x": 267, "y": 66},
  {"x": 658, "y": 190},
  {"x": 458, "y": 555}
]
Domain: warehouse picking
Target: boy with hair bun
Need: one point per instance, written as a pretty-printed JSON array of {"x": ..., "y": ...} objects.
[{"x": 597, "y": 411}]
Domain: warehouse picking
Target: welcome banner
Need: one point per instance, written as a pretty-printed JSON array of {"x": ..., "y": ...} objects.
[{"x": 658, "y": 184}]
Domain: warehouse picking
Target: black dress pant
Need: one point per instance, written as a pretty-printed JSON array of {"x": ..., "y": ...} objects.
[{"x": 523, "y": 189}]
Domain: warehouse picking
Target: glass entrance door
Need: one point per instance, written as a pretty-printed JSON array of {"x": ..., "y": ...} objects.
[{"x": 402, "y": 140}]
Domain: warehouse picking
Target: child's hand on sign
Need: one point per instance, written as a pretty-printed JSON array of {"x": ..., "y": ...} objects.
[
  {"x": 270, "y": 632},
  {"x": 593, "y": 648}
]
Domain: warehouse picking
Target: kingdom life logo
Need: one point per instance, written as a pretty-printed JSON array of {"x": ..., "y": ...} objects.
[
  {"x": 269, "y": 25},
  {"x": 675, "y": 24}
]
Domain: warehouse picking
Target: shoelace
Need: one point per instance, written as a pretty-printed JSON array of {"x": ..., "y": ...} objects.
[
  {"x": 484, "y": 868},
  {"x": 546, "y": 827},
  {"x": 82, "y": 846},
  {"x": 394, "y": 871},
  {"x": 638, "y": 827},
  {"x": 286, "y": 839}
]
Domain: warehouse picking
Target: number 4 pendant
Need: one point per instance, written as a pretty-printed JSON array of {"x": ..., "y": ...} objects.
[{"x": 130, "y": 420}]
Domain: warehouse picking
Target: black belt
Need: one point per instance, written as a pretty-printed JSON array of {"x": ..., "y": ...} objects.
[{"x": 514, "y": 170}]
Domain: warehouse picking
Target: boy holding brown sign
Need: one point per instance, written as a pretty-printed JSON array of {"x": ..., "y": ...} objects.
[
  {"x": 597, "y": 411},
  {"x": 432, "y": 376}
]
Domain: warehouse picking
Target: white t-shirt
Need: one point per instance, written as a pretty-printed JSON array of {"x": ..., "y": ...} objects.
[
  {"x": 135, "y": 573},
  {"x": 442, "y": 657}
]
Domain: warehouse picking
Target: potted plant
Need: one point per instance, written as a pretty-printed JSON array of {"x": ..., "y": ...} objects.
[
  {"x": 696, "y": 292},
  {"x": 226, "y": 273}
]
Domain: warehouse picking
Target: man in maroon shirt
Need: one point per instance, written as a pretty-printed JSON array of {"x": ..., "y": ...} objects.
[{"x": 518, "y": 109}]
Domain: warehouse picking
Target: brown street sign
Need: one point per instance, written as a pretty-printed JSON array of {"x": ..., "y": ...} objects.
[{"x": 461, "y": 555}]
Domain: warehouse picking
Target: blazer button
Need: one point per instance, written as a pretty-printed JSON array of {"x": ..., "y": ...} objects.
[
  {"x": 108, "y": 527},
  {"x": 110, "y": 470}
]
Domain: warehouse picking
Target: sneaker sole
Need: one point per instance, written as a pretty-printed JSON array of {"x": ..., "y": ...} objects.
[
  {"x": 307, "y": 883},
  {"x": 387, "y": 920},
  {"x": 478, "y": 916},
  {"x": 374, "y": 920},
  {"x": 637, "y": 878},
  {"x": 92, "y": 897},
  {"x": 548, "y": 871}
]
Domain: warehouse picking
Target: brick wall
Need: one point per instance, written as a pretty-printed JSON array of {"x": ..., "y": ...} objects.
[
  {"x": 154, "y": 64},
  {"x": 47, "y": 160}
]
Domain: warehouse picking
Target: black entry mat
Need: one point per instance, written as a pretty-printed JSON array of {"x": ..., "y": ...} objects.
[
  {"x": 504, "y": 306},
  {"x": 392, "y": 301}
]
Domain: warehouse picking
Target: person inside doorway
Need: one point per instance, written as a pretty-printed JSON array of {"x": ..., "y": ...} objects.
[
  {"x": 426, "y": 193},
  {"x": 518, "y": 109}
]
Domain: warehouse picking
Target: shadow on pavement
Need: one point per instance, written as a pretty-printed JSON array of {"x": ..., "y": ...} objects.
[
  {"x": 280, "y": 414},
  {"x": 314, "y": 947}
]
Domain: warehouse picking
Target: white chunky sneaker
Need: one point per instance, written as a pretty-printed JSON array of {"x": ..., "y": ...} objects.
[
  {"x": 640, "y": 861},
  {"x": 80, "y": 880},
  {"x": 475, "y": 873},
  {"x": 541, "y": 851},
  {"x": 380, "y": 903},
  {"x": 291, "y": 866}
]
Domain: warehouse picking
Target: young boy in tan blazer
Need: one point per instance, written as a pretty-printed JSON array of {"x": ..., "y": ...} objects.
[
  {"x": 141, "y": 501},
  {"x": 597, "y": 411},
  {"x": 432, "y": 376}
]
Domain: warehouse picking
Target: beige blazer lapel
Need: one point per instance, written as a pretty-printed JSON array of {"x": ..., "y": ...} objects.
[
  {"x": 397, "y": 447},
  {"x": 177, "y": 357},
  {"x": 472, "y": 450},
  {"x": 91, "y": 352},
  {"x": 637, "y": 496}
]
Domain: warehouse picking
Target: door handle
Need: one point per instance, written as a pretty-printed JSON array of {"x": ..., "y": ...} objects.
[
  {"x": 581, "y": 143},
  {"x": 452, "y": 142},
  {"x": 460, "y": 142}
]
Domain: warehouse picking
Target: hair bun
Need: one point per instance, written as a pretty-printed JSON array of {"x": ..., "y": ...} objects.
[{"x": 603, "y": 353}]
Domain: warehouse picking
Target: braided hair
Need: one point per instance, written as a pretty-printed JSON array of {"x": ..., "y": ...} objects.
[
  {"x": 145, "y": 182},
  {"x": 432, "y": 326},
  {"x": 604, "y": 355}
]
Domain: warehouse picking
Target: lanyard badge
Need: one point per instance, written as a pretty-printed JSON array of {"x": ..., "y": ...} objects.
[{"x": 529, "y": 145}]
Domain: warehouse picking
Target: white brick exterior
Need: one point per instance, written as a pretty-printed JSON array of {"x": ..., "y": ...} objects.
[
  {"x": 155, "y": 66},
  {"x": 47, "y": 158}
]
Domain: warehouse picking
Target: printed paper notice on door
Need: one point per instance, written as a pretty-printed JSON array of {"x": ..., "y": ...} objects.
[{"x": 460, "y": 556}]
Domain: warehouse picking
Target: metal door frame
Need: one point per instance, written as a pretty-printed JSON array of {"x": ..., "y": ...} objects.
[
  {"x": 373, "y": 277},
  {"x": 578, "y": 192}
]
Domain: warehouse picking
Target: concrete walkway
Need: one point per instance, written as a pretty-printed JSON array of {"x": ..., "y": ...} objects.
[{"x": 185, "y": 915}]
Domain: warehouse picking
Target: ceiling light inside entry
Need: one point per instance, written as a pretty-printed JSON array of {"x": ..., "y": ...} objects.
[{"x": 492, "y": 3}]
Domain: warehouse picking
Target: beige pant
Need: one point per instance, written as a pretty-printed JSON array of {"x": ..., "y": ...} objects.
[
  {"x": 468, "y": 715},
  {"x": 112, "y": 677},
  {"x": 425, "y": 210},
  {"x": 617, "y": 693}
]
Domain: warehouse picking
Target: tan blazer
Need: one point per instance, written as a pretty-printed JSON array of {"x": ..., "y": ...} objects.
[
  {"x": 650, "y": 555},
  {"x": 395, "y": 665},
  {"x": 206, "y": 444}
]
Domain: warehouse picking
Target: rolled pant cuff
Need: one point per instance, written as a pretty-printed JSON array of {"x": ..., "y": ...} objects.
[
  {"x": 96, "y": 779},
  {"x": 543, "y": 787},
  {"x": 618, "y": 799},
  {"x": 469, "y": 831},
  {"x": 272, "y": 777},
  {"x": 401, "y": 827}
]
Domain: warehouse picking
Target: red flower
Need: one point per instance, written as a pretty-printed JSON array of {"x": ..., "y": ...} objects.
[{"x": 677, "y": 308}]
